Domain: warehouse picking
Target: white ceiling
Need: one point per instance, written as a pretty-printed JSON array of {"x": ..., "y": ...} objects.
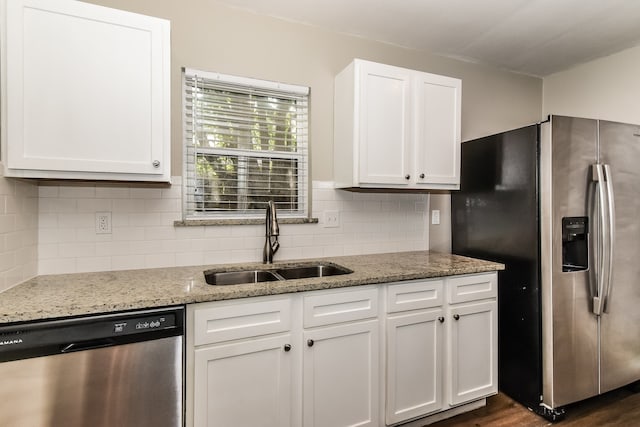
[{"x": 536, "y": 37}]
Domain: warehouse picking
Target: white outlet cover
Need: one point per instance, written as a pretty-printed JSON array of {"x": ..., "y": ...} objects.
[
  {"x": 331, "y": 219},
  {"x": 435, "y": 217},
  {"x": 103, "y": 222}
]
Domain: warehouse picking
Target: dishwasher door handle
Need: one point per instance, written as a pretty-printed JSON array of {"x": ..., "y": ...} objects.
[{"x": 87, "y": 345}]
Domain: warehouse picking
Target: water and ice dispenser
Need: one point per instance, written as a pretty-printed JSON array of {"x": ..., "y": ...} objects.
[{"x": 575, "y": 243}]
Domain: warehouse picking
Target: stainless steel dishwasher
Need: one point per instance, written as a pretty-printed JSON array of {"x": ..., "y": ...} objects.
[{"x": 123, "y": 369}]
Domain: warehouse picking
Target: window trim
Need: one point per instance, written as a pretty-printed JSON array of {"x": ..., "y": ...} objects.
[{"x": 304, "y": 187}]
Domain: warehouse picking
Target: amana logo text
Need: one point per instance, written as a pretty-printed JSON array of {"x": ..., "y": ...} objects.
[{"x": 11, "y": 342}]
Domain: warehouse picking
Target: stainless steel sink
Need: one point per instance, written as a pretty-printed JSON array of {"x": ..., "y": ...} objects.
[
  {"x": 315, "y": 270},
  {"x": 298, "y": 271},
  {"x": 238, "y": 277}
]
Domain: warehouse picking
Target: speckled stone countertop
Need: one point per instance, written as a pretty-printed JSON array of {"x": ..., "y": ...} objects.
[{"x": 63, "y": 295}]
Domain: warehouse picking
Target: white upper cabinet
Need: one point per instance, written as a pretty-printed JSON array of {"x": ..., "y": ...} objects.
[
  {"x": 396, "y": 128},
  {"x": 385, "y": 105},
  {"x": 85, "y": 92}
]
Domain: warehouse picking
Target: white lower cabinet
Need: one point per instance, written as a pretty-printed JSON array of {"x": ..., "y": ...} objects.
[
  {"x": 340, "y": 379},
  {"x": 441, "y": 345},
  {"x": 247, "y": 383},
  {"x": 473, "y": 351},
  {"x": 248, "y": 359},
  {"x": 414, "y": 365},
  {"x": 330, "y": 358}
]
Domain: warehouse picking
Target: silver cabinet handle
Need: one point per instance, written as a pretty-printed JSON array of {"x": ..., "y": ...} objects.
[{"x": 156, "y": 163}]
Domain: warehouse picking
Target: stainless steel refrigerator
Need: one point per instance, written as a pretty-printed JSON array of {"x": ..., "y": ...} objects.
[{"x": 559, "y": 204}]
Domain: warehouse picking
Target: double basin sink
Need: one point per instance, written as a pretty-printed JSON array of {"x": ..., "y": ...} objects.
[{"x": 298, "y": 271}]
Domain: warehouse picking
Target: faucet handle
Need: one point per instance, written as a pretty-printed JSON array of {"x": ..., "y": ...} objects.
[{"x": 273, "y": 227}]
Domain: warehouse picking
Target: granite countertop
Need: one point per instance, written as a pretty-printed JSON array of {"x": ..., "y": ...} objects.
[{"x": 62, "y": 295}]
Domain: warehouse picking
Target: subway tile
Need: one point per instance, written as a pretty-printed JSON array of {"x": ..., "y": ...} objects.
[
  {"x": 146, "y": 193},
  {"x": 127, "y": 262},
  {"x": 48, "y": 251},
  {"x": 88, "y": 264},
  {"x": 162, "y": 205},
  {"x": 189, "y": 258},
  {"x": 48, "y": 220},
  {"x": 94, "y": 205},
  {"x": 159, "y": 233},
  {"x": 7, "y": 223},
  {"x": 76, "y": 192},
  {"x": 7, "y": 186},
  {"x": 144, "y": 235},
  {"x": 76, "y": 220},
  {"x": 113, "y": 193},
  {"x": 76, "y": 250},
  {"x": 56, "y": 205},
  {"x": 128, "y": 205},
  {"x": 57, "y": 266},
  {"x": 218, "y": 257},
  {"x": 215, "y": 231},
  {"x": 144, "y": 219},
  {"x": 159, "y": 260}
]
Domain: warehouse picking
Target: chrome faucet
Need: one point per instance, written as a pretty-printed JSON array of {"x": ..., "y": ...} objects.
[{"x": 272, "y": 231}]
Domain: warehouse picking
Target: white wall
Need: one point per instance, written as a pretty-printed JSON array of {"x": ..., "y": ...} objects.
[
  {"x": 607, "y": 88},
  {"x": 212, "y": 36}
]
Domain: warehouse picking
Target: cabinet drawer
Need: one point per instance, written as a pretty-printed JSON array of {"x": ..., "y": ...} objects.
[
  {"x": 336, "y": 307},
  {"x": 226, "y": 322},
  {"x": 472, "y": 287},
  {"x": 414, "y": 295}
]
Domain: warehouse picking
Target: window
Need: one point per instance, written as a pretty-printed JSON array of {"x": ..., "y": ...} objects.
[{"x": 245, "y": 143}]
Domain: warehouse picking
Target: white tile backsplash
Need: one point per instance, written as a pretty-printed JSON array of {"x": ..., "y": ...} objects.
[
  {"x": 18, "y": 231},
  {"x": 143, "y": 235}
]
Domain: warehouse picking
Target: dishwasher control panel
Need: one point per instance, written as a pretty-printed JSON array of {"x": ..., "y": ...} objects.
[
  {"x": 144, "y": 324},
  {"x": 36, "y": 339}
]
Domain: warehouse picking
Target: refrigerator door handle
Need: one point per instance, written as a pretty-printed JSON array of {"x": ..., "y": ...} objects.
[
  {"x": 610, "y": 237},
  {"x": 598, "y": 177}
]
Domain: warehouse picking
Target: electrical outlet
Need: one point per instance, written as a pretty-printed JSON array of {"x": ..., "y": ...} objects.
[
  {"x": 331, "y": 219},
  {"x": 103, "y": 222},
  {"x": 435, "y": 217}
]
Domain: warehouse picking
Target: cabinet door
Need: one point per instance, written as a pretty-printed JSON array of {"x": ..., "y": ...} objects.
[
  {"x": 87, "y": 92},
  {"x": 244, "y": 384},
  {"x": 384, "y": 124},
  {"x": 414, "y": 365},
  {"x": 340, "y": 375},
  {"x": 437, "y": 129},
  {"x": 473, "y": 351}
]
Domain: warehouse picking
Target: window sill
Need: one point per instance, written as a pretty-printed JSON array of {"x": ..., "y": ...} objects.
[{"x": 240, "y": 221}]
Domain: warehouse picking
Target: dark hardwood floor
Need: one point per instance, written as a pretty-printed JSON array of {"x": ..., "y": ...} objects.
[{"x": 619, "y": 408}]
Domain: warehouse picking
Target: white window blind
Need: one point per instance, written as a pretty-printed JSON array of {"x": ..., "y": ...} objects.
[{"x": 245, "y": 144}]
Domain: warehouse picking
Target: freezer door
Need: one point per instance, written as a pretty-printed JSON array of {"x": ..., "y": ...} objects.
[
  {"x": 620, "y": 322},
  {"x": 495, "y": 217},
  {"x": 570, "y": 330}
]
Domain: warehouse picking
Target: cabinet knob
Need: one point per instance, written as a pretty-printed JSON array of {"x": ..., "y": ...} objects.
[
  {"x": 407, "y": 176},
  {"x": 422, "y": 176},
  {"x": 310, "y": 343},
  {"x": 441, "y": 319},
  {"x": 287, "y": 347},
  {"x": 156, "y": 163},
  {"x": 456, "y": 316}
]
